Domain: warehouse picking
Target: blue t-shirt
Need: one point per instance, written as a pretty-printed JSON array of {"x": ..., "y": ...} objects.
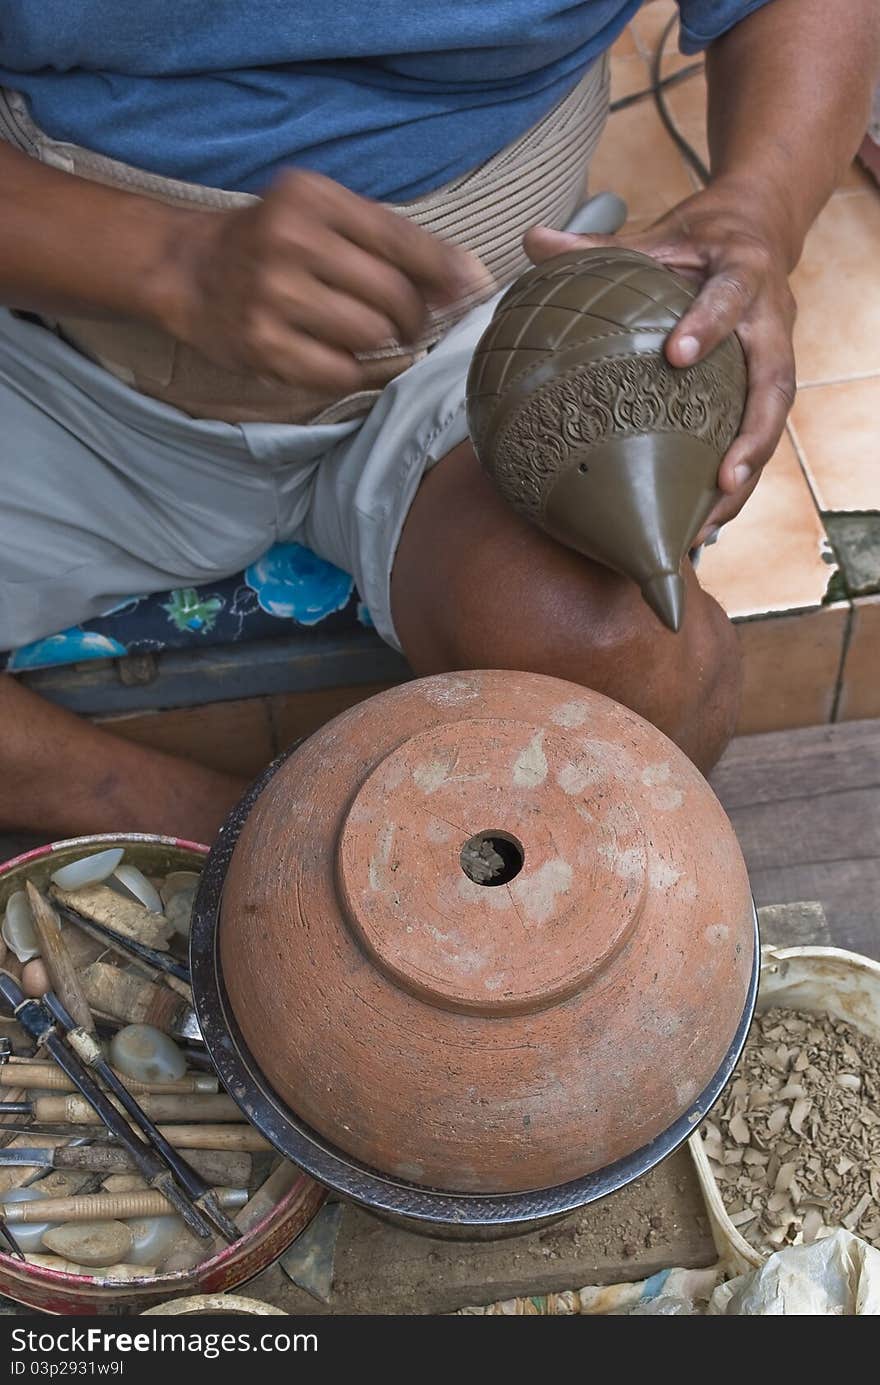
[{"x": 389, "y": 97}]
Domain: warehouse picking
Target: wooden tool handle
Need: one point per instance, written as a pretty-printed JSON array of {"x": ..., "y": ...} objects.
[
  {"x": 129, "y": 998},
  {"x": 174, "y": 983},
  {"x": 219, "y": 1168},
  {"x": 103, "y": 1207},
  {"x": 168, "y": 1108},
  {"x": 48, "y": 1078},
  {"x": 239, "y": 1138},
  {"x": 62, "y": 973},
  {"x": 221, "y": 1137}
]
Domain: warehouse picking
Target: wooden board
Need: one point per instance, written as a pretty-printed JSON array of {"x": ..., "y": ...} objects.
[
  {"x": 654, "y": 1223},
  {"x": 806, "y": 808},
  {"x": 813, "y": 762}
]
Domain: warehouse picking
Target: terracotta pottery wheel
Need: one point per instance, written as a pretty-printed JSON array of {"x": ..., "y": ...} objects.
[
  {"x": 487, "y": 932},
  {"x": 586, "y": 428}
]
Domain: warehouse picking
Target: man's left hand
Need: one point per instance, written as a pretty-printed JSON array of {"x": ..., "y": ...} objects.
[{"x": 720, "y": 238}]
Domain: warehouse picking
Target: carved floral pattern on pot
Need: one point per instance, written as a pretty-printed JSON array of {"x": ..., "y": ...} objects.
[{"x": 586, "y": 428}]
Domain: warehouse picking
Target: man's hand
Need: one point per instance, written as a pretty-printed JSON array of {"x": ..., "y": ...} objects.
[
  {"x": 293, "y": 287},
  {"x": 718, "y": 238}
]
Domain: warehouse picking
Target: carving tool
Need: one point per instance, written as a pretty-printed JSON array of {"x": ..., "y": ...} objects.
[
  {"x": 129, "y": 947},
  {"x": 220, "y": 1168},
  {"x": 105, "y": 1207},
  {"x": 279, "y": 1182},
  {"x": 79, "y": 1111},
  {"x": 90, "y": 1051},
  {"x": 136, "y": 1001},
  {"x": 62, "y": 973},
  {"x": 71, "y": 1011},
  {"x": 235, "y": 1137},
  {"x": 38, "y": 1021},
  {"x": 47, "y": 1077},
  {"x": 103, "y": 905},
  {"x": 7, "y": 1237}
]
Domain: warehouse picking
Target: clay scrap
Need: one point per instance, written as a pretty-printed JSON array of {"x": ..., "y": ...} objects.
[{"x": 794, "y": 1143}]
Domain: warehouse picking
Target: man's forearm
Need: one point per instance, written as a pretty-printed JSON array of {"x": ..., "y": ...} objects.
[
  {"x": 789, "y": 93},
  {"x": 68, "y": 245},
  {"x": 292, "y": 287}
]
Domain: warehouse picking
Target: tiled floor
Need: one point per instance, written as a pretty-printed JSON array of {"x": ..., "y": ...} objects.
[
  {"x": 860, "y": 687},
  {"x": 775, "y": 558},
  {"x": 837, "y": 431},
  {"x": 636, "y": 158},
  {"x": 820, "y": 657}
]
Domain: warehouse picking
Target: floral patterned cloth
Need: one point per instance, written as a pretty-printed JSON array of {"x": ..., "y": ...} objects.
[{"x": 288, "y": 587}]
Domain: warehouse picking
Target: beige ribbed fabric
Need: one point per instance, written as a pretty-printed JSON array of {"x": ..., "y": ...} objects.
[{"x": 540, "y": 177}]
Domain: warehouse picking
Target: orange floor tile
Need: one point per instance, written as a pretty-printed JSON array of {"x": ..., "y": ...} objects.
[
  {"x": 647, "y": 27},
  {"x": 837, "y": 431},
  {"x": 837, "y": 287},
  {"x": 636, "y": 157},
  {"x": 687, "y": 105},
  {"x": 625, "y": 46},
  {"x": 770, "y": 558}
]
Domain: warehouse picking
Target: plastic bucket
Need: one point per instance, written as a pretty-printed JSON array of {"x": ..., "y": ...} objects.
[{"x": 820, "y": 980}]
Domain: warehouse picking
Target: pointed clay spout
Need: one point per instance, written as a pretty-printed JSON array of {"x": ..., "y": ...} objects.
[{"x": 665, "y": 595}]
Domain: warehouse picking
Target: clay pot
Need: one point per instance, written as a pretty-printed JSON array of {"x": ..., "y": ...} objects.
[
  {"x": 486, "y": 932},
  {"x": 588, "y": 431}
]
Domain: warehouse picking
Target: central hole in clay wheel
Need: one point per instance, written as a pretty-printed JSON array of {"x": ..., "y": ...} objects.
[{"x": 492, "y": 858}]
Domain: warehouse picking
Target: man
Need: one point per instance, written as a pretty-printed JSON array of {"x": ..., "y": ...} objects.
[{"x": 247, "y": 369}]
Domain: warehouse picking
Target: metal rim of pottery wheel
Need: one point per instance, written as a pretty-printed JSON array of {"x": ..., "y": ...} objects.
[{"x": 274, "y": 1119}]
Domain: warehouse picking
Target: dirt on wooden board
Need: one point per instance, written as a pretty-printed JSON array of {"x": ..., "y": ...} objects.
[{"x": 656, "y": 1222}]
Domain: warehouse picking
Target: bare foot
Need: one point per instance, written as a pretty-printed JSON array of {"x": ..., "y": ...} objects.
[{"x": 60, "y": 777}]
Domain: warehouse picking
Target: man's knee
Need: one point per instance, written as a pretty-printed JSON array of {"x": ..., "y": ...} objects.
[
  {"x": 477, "y": 587},
  {"x": 581, "y": 622},
  {"x": 687, "y": 683}
]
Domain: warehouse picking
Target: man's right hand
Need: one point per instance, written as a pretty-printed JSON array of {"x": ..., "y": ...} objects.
[{"x": 293, "y": 287}]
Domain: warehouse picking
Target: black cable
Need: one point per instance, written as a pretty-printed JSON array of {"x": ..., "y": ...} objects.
[
  {"x": 658, "y": 84},
  {"x": 671, "y": 81}
]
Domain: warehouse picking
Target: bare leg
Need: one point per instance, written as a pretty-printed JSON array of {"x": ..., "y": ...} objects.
[
  {"x": 476, "y": 587},
  {"x": 61, "y": 776}
]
